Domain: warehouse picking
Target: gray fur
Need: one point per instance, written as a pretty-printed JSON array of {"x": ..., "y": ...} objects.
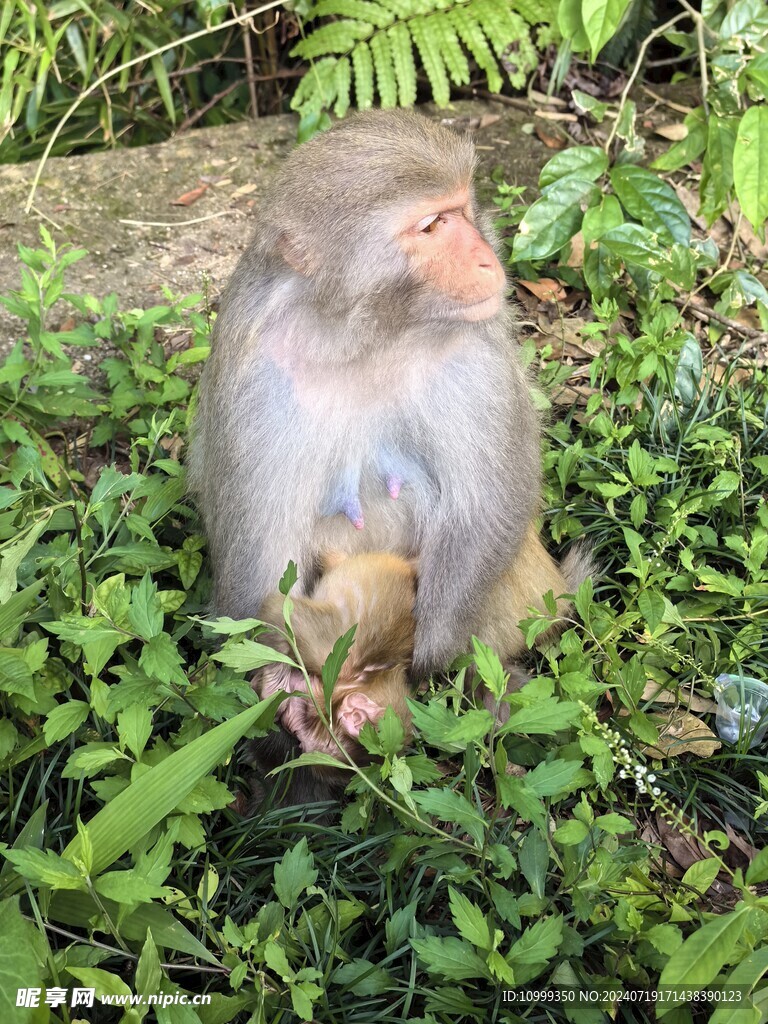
[{"x": 327, "y": 352}]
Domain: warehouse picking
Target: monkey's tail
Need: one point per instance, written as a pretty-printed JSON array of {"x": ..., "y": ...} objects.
[{"x": 578, "y": 565}]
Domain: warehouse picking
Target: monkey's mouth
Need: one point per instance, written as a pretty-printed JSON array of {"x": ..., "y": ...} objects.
[{"x": 482, "y": 310}]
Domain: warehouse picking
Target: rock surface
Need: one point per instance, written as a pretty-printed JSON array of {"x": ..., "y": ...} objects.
[{"x": 119, "y": 204}]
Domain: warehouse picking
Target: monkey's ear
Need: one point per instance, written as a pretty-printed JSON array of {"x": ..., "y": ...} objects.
[
  {"x": 331, "y": 560},
  {"x": 293, "y": 254},
  {"x": 355, "y": 711}
]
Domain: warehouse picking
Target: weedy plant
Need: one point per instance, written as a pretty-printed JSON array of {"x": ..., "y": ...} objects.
[{"x": 486, "y": 858}]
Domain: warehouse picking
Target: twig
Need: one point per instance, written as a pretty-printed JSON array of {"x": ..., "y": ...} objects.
[
  {"x": 175, "y": 223},
  {"x": 704, "y": 313},
  {"x": 636, "y": 71},
  {"x": 508, "y": 101},
  {"x": 183, "y": 41},
  {"x": 249, "y": 67},
  {"x": 662, "y": 99},
  {"x": 202, "y": 111}
]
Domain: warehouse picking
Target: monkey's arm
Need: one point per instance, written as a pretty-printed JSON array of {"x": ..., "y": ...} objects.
[{"x": 487, "y": 465}]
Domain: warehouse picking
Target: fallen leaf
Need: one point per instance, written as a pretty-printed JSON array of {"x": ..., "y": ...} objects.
[
  {"x": 661, "y": 695},
  {"x": 545, "y": 289},
  {"x": 673, "y": 132},
  {"x": 681, "y": 733},
  {"x": 548, "y": 137},
  {"x": 190, "y": 197}
]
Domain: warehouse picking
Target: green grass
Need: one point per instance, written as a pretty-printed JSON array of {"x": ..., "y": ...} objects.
[{"x": 473, "y": 862}]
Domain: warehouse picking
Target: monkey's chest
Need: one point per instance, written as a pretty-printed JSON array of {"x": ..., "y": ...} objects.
[{"x": 375, "y": 502}]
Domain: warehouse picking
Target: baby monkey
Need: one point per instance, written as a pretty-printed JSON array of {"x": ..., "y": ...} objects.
[{"x": 377, "y": 592}]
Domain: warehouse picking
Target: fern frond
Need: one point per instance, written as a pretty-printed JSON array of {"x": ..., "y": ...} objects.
[
  {"x": 402, "y": 59},
  {"x": 423, "y": 35},
  {"x": 336, "y": 37},
  {"x": 317, "y": 89},
  {"x": 386, "y": 82},
  {"x": 403, "y": 9},
  {"x": 363, "y": 65},
  {"x": 472, "y": 37},
  {"x": 534, "y": 12},
  {"x": 343, "y": 81},
  {"x": 452, "y": 53},
  {"x": 356, "y": 10}
]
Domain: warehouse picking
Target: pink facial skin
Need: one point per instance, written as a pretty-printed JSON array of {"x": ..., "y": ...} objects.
[{"x": 300, "y": 717}]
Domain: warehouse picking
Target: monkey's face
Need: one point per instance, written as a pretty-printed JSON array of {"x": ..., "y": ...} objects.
[
  {"x": 450, "y": 257},
  {"x": 352, "y": 707}
]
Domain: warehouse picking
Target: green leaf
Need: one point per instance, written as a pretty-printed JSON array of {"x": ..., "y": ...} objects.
[
  {"x": 744, "y": 978},
  {"x": 363, "y": 978},
  {"x": 539, "y": 943},
  {"x": 146, "y": 613},
  {"x": 601, "y": 18},
  {"x": 489, "y": 668},
  {"x": 614, "y": 824},
  {"x": 571, "y": 833},
  {"x": 23, "y": 952},
  {"x": 130, "y": 815},
  {"x": 161, "y": 660},
  {"x": 334, "y": 662},
  {"x": 442, "y": 728},
  {"x": 294, "y": 873},
  {"x": 704, "y": 953},
  {"x": 446, "y": 805},
  {"x": 750, "y": 166},
  {"x": 585, "y": 162},
  {"x": 651, "y": 201},
  {"x": 163, "y": 85},
  {"x": 249, "y": 655},
  {"x": 64, "y": 720},
  {"x": 544, "y": 718},
  {"x": 556, "y": 778},
  {"x": 451, "y": 958},
  {"x": 702, "y": 874},
  {"x": 554, "y": 219},
  {"x": 470, "y": 921},
  {"x": 652, "y": 606},
  {"x": 45, "y": 868}
]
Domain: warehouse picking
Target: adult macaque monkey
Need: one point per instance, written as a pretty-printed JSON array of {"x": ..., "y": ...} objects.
[{"x": 364, "y": 390}]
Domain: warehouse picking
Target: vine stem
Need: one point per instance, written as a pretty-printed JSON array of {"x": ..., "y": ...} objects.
[
  {"x": 636, "y": 70},
  {"x": 239, "y": 19}
]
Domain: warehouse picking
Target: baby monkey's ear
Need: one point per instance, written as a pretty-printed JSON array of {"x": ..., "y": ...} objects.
[{"x": 355, "y": 711}]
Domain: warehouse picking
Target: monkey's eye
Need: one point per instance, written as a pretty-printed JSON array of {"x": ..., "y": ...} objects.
[{"x": 428, "y": 224}]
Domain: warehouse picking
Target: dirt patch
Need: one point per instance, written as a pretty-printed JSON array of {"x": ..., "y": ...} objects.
[{"x": 119, "y": 204}]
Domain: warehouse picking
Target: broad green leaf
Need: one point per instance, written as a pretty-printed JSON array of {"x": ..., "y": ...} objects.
[
  {"x": 651, "y": 201},
  {"x": 131, "y": 814},
  {"x": 614, "y": 824},
  {"x": 249, "y": 655},
  {"x": 64, "y": 720},
  {"x": 750, "y": 165},
  {"x": 294, "y": 873},
  {"x": 446, "y": 805},
  {"x": 601, "y": 19},
  {"x": 571, "y": 833},
  {"x": 556, "y": 778},
  {"x": 470, "y": 921},
  {"x": 45, "y": 868},
  {"x": 450, "y": 959},
  {"x": 688, "y": 149},
  {"x": 78, "y": 910},
  {"x": 23, "y": 952},
  {"x": 704, "y": 953},
  {"x": 554, "y": 219},
  {"x": 363, "y": 978},
  {"x": 585, "y": 162},
  {"x": 571, "y": 24},
  {"x": 744, "y": 976},
  {"x": 634, "y": 243},
  {"x": 441, "y": 728},
  {"x": 651, "y": 605},
  {"x": 702, "y": 874},
  {"x": 544, "y": 718},
  {"x": 489, "y": 668},
  {"x": 539, "y": 943}
]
